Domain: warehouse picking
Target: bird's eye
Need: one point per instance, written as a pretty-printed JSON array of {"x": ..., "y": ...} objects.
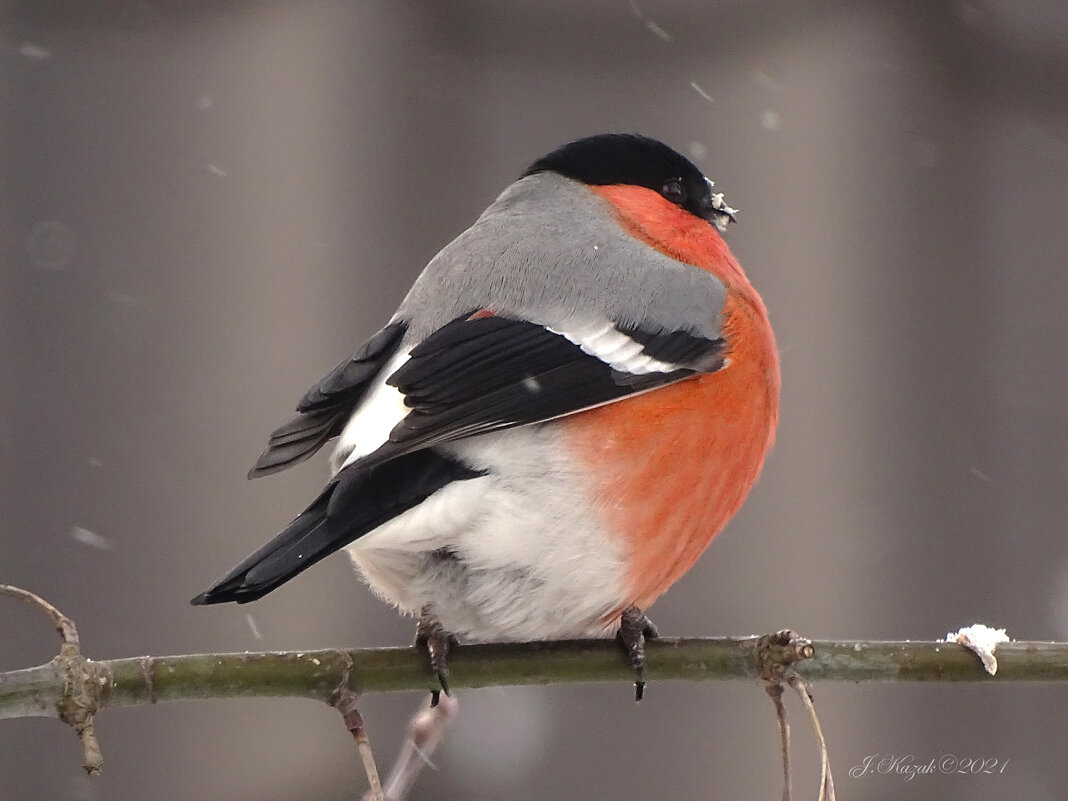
[{"x": 674, "y": 191}]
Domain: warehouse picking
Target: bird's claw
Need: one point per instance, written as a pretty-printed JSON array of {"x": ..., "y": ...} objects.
[
  {"x": 634, "y": 629},
  {"x": 432, "y": 635}
]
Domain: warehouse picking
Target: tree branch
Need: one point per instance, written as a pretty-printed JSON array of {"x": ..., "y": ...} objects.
[
  {"x": 74, "y": 688},
  {"x": 318, "y": 674}
]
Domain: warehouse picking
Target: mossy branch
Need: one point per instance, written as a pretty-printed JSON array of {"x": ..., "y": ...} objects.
[
  {"x": 317, "y": 674},
  {"x": 74, "y": 688}
]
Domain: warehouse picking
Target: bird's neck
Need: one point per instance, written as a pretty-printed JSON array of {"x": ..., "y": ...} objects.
[{"x": 677, "y": 233}]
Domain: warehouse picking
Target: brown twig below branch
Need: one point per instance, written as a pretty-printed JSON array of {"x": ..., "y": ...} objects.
[
  {"x": 424, "y": 734},
  {"x": 776, "y": 691},
  {"x": 826, "y": 779},
  {"x": 345, "y": 702},
  {"x": 777, "y": 657}
]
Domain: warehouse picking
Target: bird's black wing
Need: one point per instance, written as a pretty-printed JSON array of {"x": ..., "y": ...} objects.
[
  {"x": 325, "y": 408},
  {"x": 484, "y": 373}
]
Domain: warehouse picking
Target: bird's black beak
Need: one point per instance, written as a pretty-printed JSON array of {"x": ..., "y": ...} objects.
[
  {"x": 718, "y": 213},
  {"x": 715, "y": 209}
]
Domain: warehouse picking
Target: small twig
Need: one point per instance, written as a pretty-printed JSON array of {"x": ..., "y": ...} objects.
[
  {"x": 84, "y": 681},
  {"x": 65, "y": 627},
  {"x": 776, "y": 655},
  {"x": 826, "y": 780},
  {"x": 344, "y": 701},
  {"x": 425, "y": 732},
  {"x": 775, "y": 691}
]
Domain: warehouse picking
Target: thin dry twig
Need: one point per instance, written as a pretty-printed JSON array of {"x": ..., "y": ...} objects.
[
  {"x": 826, "y": 780},
  {"x": 424, "y": 734},
  {"x": 776, "y": 691},
  {"x": 84, "y": 680},
  {"x": 776, "y": 655},
  {"x": 345, "y": 703},
  {"x": 65, "y": 627}
]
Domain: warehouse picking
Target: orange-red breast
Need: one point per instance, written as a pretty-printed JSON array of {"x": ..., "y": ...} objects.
[{"x": 574, "y": 398}]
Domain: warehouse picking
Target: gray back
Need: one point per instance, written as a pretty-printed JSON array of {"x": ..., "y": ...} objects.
[{"x": 548, "y": 250}]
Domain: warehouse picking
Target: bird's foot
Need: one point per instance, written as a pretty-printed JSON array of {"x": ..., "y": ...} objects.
[
  {"x": 430, "y": 634},
  {"x": 634, "y": 629}
]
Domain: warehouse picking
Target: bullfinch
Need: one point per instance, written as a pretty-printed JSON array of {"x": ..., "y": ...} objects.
[{"x": 576, "y": 395}]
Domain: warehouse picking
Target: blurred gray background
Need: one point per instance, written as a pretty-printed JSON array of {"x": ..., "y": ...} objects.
[{"x": 206, "y": 205}]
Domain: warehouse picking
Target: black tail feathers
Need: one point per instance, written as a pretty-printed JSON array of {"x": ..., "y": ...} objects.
[
  {"x": 278, "y": 561},
  {"x": 357, "y": 501}
]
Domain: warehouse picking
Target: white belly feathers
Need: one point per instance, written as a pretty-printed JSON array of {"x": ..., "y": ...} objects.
[{"x": 493, "y": 559}]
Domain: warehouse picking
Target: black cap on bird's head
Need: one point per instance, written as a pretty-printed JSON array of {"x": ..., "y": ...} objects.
[{"x": 634, "y": 160}]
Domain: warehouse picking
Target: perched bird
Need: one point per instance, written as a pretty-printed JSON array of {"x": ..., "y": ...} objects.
[{"x": 573, "y": 399}]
